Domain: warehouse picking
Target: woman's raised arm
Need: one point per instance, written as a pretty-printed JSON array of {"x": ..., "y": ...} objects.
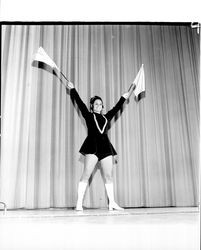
[{"x": 75, "y": 96}]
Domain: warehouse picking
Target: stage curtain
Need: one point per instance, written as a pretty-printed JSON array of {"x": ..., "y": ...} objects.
[{"x": 157, "y": 139}]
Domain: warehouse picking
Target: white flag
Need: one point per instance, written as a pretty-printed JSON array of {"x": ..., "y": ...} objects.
[
  {"x": 43, "y": 61},
  {"x": 42, "y": 56},
  {"x": 139, "y": 84}
]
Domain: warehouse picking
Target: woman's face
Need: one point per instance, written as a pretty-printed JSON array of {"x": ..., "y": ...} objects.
[{"x": 97, "y": 106}]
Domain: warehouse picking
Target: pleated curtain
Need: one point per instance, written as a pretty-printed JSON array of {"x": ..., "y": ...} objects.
[{"x": 157, "y": 138}]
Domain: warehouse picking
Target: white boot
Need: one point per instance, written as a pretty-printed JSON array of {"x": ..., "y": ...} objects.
[
  {"x": 110, "y": 192},
  {"x": 81, "y": 191}
]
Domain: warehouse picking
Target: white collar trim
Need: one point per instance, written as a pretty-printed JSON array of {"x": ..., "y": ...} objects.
[{"x": 100, "y": 130}]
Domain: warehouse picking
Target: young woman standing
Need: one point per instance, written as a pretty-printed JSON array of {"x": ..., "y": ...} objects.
[{"x": 97, "y": 146}]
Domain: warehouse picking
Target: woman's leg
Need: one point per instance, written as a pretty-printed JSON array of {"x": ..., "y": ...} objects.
[
  {"x": 90, "y": 163},
  {"x": 107, "y": 166}
]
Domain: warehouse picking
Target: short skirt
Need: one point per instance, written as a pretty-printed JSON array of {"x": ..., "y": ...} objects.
[{"x": 97, "y": 145}]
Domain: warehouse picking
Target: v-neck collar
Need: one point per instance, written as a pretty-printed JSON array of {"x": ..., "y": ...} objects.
[{"x": 100, "y": 130}]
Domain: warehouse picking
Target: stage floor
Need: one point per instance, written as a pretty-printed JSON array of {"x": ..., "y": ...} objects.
[
  {"x": 137, "y": 228},
  {"x": 68, "y": 212}
]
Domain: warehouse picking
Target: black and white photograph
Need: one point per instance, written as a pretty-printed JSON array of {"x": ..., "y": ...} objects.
[{"x": 100, "y": 135}]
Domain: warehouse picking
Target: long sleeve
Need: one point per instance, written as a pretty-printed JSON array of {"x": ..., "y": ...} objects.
[
  {"x": 75, "y": 96},
  {"x": 111, "y": 113}
]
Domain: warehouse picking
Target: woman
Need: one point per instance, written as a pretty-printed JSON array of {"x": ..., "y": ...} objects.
[{"x": 97, "y": 146}]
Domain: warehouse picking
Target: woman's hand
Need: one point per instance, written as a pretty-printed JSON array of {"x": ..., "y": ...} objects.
[
  {"x": 129, "y": 92},
  {"x": 126, "y": 95},
  {"x": 70, "y": 85}
]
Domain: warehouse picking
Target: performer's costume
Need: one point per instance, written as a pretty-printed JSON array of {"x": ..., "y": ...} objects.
[{"x": 97, "y": 141}]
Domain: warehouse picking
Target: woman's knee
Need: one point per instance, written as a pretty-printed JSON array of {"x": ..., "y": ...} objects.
[
  {"x": 85, "y": 176},
  {"x": 108, "y": 178}
]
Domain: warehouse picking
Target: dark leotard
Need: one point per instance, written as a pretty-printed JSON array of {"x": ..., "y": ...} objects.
[{"x": 97, "y": 141}]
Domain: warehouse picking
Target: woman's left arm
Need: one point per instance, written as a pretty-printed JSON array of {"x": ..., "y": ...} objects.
[{"x": 111, "y": 113}]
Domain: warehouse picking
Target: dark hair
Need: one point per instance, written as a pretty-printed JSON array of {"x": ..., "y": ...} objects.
[{"x": 92, "y": 100}]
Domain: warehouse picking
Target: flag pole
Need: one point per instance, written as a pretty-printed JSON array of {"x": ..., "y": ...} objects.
[
  {"x": 60, "y": 78},
  {"x": 131, "y": 89},
  {"x": 64, "y": 76}
]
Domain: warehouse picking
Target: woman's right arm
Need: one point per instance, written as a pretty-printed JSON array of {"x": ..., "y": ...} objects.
[{"x": 75, "y": 96}]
